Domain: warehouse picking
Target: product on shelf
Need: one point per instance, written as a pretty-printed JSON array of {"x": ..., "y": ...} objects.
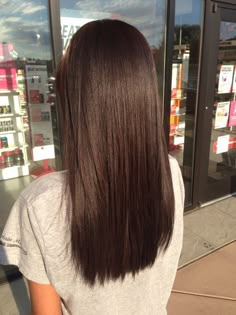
[
  {"x": 19, "y": 159},
  {"x": 6, "y": 125},
  {"x": 4, "y": 142},
  {"x": 5, "y": 109},
  {"x": 8, "y": 158},
  {"x": 13, "y": 152},
  {"x": 22, "y": 90},
  {"x": 12, "y": 158},
  {"x": 2, "y": 161}
]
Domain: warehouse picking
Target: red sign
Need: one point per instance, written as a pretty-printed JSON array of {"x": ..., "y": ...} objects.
[
  {"x": 5, "y": 52},
  {"x": 8, "y": 75},
  {"x": 232, "y": 114}
]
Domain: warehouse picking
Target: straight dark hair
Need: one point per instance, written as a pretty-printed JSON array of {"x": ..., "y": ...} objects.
[{"x": 115, "y": 153}]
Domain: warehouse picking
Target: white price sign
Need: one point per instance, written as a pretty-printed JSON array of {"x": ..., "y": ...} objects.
[
  {"x": 222, "y": 144},
  {"x": 234, "y": 81},
  {"x": 225, "y": 78}
]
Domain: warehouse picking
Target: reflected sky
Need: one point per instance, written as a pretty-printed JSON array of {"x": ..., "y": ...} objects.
[
  {"x": 148, "y": 16},
  {"x": 227, "y": 31},
  {"x": 26, "y": 26},
  {"x": 189, "y": 12}
]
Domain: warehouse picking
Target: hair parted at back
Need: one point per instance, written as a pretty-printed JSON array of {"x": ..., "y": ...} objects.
[{"x": 118, "y": 171}]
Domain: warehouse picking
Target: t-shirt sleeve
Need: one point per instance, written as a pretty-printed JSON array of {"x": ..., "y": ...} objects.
[
  {"x": 172, "y": 255},
  {"x": 21, "y": 243}
]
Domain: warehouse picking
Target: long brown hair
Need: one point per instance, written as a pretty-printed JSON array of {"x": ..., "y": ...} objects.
[{"x": 115, "y": 153}]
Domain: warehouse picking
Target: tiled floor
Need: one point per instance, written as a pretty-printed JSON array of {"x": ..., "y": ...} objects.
[
  {"x": 194, "y": 305},
  {"x": 206, "y": 286},
  {"x": 205, "y": 230},
  {"x": 208, "y": 228}
]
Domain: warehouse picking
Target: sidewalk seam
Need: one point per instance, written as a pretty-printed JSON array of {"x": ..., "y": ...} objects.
[{"x": 204, "y": 295}]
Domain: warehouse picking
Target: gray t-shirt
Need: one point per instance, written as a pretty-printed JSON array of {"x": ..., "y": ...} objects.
[{"x": 36, "y": 238}]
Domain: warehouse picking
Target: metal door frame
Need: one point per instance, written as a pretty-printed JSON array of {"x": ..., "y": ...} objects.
[{"x": 214, "y": 12}]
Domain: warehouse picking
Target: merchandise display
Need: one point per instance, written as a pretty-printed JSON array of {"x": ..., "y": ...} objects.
[
  {"x": 40, "y": 112},
  {"x": 223, "y": 148},
  {"x": 178, "y": 101},
  {"x": 26, "y": 129},
  {"x": 13, "y": 146}
]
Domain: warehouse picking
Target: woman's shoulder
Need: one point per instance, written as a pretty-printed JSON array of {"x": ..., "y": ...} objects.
[
  {"x": 175, "y": 168},
  {"x": 49, "y": 185},
  {"x": 173, "y": 163},
  {"x": 177, "y": 180},
  {"x": 45, "y": 202},
  {"x": 45, "y": 198}
]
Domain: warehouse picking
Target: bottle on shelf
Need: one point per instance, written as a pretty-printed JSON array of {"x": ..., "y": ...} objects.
[
  {"x": 5, "y": 109},
  {"x": 4, "y": 142},
  {"x": 2, "y": 161},
  {"x": 19, "y": 159},
  {"x": 8, "y": 158},
  {"x": 9, "y": 109}
]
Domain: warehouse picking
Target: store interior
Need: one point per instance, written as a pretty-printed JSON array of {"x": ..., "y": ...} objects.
[
  {"x": 222, "y": 156},
  {"x": 184, "y": 88},
  {"x": 28, "y": 128}
]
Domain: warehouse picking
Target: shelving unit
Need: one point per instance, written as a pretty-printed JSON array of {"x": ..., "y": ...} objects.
[
  {"x": 15, "y": 138},
  {"x": 12, "y": 148},
  {"x": 40, "y": 114},
  {"x": 178, "y": 106}
]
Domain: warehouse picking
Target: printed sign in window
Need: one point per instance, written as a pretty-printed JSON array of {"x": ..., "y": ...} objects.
[
  {"x": 225, "y": 79},
  {"x": 222, "y": 144},
  {"x": 232, "y": 114},
  {"x": 222, "y": 115},
  {"x": 234, "y": 81}
]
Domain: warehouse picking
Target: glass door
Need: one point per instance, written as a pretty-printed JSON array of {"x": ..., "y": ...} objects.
[
  {"x": 220, "y": 109},
  {"x": 184, "y": 87}
]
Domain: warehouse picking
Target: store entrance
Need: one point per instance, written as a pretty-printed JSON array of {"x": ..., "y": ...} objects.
[{"x": 217, "y": 103}]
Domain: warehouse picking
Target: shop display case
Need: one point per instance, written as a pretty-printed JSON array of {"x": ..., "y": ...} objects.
[
  {"x": 180, "y": 68},
  {"x": 13, "y": 146},
  {"x": 27, "y": 121}
]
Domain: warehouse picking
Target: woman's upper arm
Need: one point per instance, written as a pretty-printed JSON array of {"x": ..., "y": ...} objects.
[{"x": 44, "y": 299}]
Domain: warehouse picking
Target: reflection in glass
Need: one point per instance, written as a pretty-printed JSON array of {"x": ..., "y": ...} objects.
[
  {"x": 28, "y": 126},
  {"x": 148, "y": 16},
  {"x": 185, "y": 68},
  {"x": 222, "y": 158}
]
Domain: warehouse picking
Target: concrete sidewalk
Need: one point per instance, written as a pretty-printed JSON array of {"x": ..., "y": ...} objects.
[
  {"x": 203, "y": 285},
  {"x": 206, "y": 286}
]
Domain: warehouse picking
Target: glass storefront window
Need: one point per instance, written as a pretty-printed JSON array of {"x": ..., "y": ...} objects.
[
  {"x": 184, "y": 85},
  {"x": 148, "y": 16},
  {"x": 29, "y": 142},
  {"x": 28, "y": 127}
]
